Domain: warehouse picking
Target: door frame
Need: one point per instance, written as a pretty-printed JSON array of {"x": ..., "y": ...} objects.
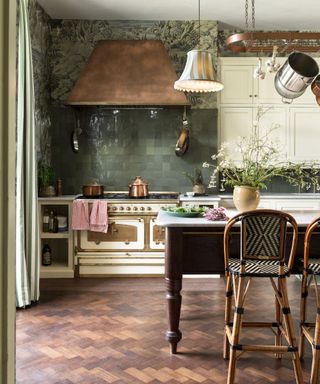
[{"x": 8, "y": 42}]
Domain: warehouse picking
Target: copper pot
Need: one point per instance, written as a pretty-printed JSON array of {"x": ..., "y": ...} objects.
[
  {"x": 138, "y": 188},
  {"x": 92, "y": 190}
]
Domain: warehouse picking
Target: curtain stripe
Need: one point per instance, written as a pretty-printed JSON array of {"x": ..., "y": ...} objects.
[{"x": 27, "y": 260}]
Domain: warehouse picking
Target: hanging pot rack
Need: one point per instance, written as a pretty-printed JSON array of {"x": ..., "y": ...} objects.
[
  {"x": 255, "y": 41},
  {"x": 265, "y": 41}
]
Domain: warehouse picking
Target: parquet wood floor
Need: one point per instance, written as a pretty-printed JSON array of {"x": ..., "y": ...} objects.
[{"x": 111, "y": 330}]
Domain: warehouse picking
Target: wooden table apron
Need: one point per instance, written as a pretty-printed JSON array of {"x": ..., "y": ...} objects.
[{"x": 199, "y": 250}]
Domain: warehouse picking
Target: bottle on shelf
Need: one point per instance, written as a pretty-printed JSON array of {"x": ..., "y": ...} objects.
[
  {"x": 59, "y": 187},
  {"x": 51, "y": 222},
  {"x": 45, "y": 221},
  {"x": 55, "y": 224},
  {"x": 46, "y": 255}
]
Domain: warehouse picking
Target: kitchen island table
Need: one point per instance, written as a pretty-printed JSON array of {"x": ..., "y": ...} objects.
[{"x": 195, "y": 246}]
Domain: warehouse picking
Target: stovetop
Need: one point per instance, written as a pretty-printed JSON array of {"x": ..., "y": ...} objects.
[{"x": 125, "y": 196}]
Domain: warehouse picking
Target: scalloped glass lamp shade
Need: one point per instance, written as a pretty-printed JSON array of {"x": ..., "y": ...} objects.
[{"x": 198, "y": 74}]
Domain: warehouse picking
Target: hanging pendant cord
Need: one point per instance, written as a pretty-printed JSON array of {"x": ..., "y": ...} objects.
[
  {"x": 253, "y": 19},
  {"x": 199, "y": 20}
]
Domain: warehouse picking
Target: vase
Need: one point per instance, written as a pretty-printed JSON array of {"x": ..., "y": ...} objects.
[
  {"x": 199, "y": 189},
  {"x": 246, "y": 198},
  {"x": 47, "y": 191}
]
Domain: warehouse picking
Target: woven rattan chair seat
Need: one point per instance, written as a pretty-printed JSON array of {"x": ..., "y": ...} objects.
[{"x": 258, "y": 268}]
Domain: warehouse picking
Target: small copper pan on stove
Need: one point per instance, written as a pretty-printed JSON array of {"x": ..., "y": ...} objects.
[{"x": 92, "y": 190}]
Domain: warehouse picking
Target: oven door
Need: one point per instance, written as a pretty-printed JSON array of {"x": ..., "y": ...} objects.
[
  {"x": 124, "y": 233},
  {"x": 157, "y": 235}
]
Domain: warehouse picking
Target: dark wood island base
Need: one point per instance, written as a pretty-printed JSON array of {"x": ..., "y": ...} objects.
[{"x": 195, "y": 246}]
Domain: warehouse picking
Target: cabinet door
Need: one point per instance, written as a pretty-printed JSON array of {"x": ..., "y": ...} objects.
[
  {"x": 267, "y": 90},
  {"x": 238, "y": 84},
  {"x": 276, "y": 116},
  {"x": 304, "y": 133},
  {"x": 235, "y": 123},
  {"x": 238, "y": 122}
]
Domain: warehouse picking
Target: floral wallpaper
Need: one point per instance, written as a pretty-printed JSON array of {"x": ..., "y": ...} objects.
[
  {"x": 40, "y": 39},
  {"x": 74, "y": 40}
]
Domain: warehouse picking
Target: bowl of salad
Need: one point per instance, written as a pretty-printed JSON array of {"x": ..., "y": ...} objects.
[{"x": 184, "y": 211}]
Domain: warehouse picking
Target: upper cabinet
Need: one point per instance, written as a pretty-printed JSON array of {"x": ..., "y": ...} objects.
[
  {"x": 241, "y": 88},
  {"x": 304, "y": 125},
  {"x": 298, "y": 122}
]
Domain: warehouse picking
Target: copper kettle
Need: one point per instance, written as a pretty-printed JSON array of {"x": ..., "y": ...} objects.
[{"x": 138, "y": 188}]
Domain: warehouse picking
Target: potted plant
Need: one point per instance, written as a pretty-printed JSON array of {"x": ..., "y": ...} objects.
[
  {"x": 197, "y": 181},
  {"x": 45, "y": 179},
  {"x": 261, "y": 160}
]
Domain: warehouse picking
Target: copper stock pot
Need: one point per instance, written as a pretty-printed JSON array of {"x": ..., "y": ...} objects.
[
  {"x": 138, "y": 188},
  {"x": 92, "y": 190}
]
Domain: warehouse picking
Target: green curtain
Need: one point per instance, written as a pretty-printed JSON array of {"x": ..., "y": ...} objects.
[{"x": 27, "y": 243}]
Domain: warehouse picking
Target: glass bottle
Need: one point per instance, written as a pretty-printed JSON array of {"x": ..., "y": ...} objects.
[
  {"x": 45, "y": 221},
  {"x": 59, "y": 187},
  {"x": 46, "y": 255},
  {"x": 51, "y": 222},
  {"x": 55, "y": 224}
]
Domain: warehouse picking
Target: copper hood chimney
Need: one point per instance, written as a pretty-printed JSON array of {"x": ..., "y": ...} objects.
[{"x": 127, "y": 72}]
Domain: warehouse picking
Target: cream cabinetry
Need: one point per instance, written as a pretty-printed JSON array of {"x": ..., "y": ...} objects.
[
  {"x": 237, "y": 122},
  {"x": 298, "y": 122},
  {"x": 289, "y": 203},
  {"x": 240, "y": 87},
  {"x": 304, "y": 128},
  {"x": 61, "y": 243},
  {"x": 297, "y": 205}
]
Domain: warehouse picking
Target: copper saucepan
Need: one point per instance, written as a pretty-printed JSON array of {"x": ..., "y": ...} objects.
[
  {"x": 138, "y": 188},
  {"x": 184, "y": 139},
  {"x": 92, "y": 190}
]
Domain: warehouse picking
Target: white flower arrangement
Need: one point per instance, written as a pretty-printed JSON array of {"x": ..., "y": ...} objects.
[{"x": 261, "y": 160}]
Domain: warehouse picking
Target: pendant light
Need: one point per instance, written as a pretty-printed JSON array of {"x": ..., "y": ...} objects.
[{"x": 198, "y": 74}]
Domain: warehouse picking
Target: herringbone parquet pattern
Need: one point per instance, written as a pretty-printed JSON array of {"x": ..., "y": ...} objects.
[{"x": 111, "y": 330}]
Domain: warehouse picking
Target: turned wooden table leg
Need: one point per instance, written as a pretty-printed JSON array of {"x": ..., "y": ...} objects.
[{"x": 173, "y": 276}]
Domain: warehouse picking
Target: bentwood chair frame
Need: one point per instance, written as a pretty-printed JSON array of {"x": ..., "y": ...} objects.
[
  {"x": 263, "y": 245},
  {"x": 310, "y": 331}
]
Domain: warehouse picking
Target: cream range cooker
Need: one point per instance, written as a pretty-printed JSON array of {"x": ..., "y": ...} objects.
[{"x": 133, "y": 245}]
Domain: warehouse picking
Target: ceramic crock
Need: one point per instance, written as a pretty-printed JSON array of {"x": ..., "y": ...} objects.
[{"x": 245, "y": 198}]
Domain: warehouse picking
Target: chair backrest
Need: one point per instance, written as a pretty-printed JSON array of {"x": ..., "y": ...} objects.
[
  {"x": 311, "y": 228},
  {"x": 263, "y": 235}
]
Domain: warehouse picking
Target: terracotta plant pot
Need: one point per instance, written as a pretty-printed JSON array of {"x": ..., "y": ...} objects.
[
  {"x": 246, "y": 198},
  {"x": 47, "y": 191}
]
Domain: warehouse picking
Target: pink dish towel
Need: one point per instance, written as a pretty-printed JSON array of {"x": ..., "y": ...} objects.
[
  {"x": 80, "y": 215},
  {"x": 99, "y": 216}
]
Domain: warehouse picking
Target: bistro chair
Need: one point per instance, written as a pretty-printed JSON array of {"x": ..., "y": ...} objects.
[
  {"x": 262, "y": 253},
  {"x": 310, "y": 331}
]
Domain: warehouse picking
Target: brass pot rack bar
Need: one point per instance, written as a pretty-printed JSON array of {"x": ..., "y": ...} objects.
[{"x": 265, "y": 41}]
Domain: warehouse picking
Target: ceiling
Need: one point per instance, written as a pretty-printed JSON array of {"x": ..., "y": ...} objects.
[{"x": 270, "y": 15}]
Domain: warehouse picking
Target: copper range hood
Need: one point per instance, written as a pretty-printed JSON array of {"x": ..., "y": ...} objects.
[{"x": 127, "y": 72}]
